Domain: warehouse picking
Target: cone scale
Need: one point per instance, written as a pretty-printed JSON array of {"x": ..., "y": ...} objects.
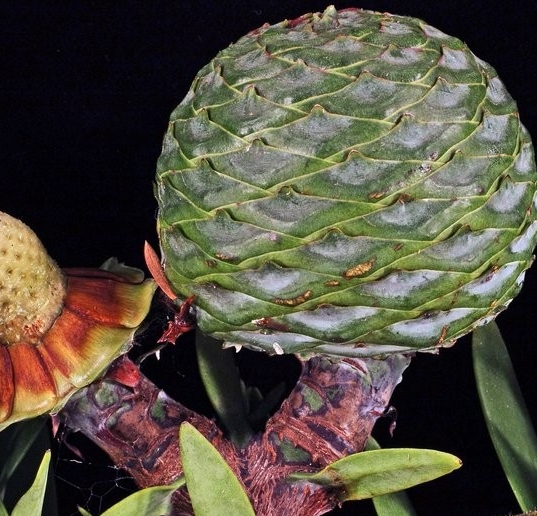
[{"x": 349, "y": 183}]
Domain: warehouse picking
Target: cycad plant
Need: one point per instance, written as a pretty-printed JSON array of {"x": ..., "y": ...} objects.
[{"x": 349, "y": 188}]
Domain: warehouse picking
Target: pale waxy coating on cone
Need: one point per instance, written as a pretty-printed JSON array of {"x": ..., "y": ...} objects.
[
  {"x": 59, "y": 331},
  {"x": 351, "y": 183}
]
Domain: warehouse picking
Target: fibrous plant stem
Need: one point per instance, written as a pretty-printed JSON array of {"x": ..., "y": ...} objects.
[{"x": 329, "y": 414}]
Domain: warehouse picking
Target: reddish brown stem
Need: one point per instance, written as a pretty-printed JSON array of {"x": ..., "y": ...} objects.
[{"x": 329, "y": 414}]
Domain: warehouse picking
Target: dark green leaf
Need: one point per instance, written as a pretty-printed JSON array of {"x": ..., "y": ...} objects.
[
  {"x": 261, "y": 410},
  {"x": 17, "y": 438},
  {"x": 506, "y": 415},
  {"x": 211, "y": 483},
  {"x": 222, "y": 383}
]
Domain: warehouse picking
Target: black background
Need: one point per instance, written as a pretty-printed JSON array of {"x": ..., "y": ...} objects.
[{"x": 85, "y": 92}]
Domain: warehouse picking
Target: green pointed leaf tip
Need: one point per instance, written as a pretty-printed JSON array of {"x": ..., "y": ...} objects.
[
  {"x": 350, "y": 183},
  {"x": 378, "y": 472},
  {"x": 506, "y": 415},
  {"x": 31, "y": 502},
  {"x": 212, "y": 486},
  {"x": 152, "y": 501}
]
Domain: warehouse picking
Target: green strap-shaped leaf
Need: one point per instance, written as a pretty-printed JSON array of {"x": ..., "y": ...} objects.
[
  {"x": 3, "y": 510},
  {"x": 378, "y": 472},
  {"x": 31, "y": 502},
  {"x": 506, "y": 415},
  {"x": 213, "y": 487},
  {"x": 218, "y": 372},
  {"x": 152, "y": 501},
  {"x": 392, "y": 504}
]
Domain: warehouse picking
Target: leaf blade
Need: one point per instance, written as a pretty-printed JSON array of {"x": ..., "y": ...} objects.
[
  {"x": 31, "y": 502},
  {"x": 505, "y": 413},
  {"x": 18, "y": 439},
  {"x": 218, "y": 372},
  {"x": 391, "y": 504},
  {"x": 151, "y": 501},
  {"x": 211, "y": 483},
  {"x": 378, "y": 472}
]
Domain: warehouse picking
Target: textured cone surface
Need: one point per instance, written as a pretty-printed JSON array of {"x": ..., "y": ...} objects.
[
  {"x": 351, "y": 183},
  {"x": 31, "y": 284}
]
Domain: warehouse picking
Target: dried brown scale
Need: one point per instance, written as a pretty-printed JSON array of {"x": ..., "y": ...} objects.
[
  {"x": 273, "y": 496},
  {"x": 359, "y": 269},
  {"x": 302, "y": 298}
]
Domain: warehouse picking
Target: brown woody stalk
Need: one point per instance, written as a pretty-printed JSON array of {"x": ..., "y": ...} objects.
[{"x": 329, "y": 414}]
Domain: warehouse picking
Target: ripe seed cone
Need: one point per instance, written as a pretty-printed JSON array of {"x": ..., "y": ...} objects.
[
  {"x": 59, "y": 331},
  {"x": 350, "y": 183},
  {"x": 32, "y": 286}
]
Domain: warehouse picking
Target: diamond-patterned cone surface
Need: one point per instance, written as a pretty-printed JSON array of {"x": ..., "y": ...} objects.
[{"x": 350, "y": 183}]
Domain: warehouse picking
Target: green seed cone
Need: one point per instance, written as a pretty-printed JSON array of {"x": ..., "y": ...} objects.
[{"x": 350, "y": 183}]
